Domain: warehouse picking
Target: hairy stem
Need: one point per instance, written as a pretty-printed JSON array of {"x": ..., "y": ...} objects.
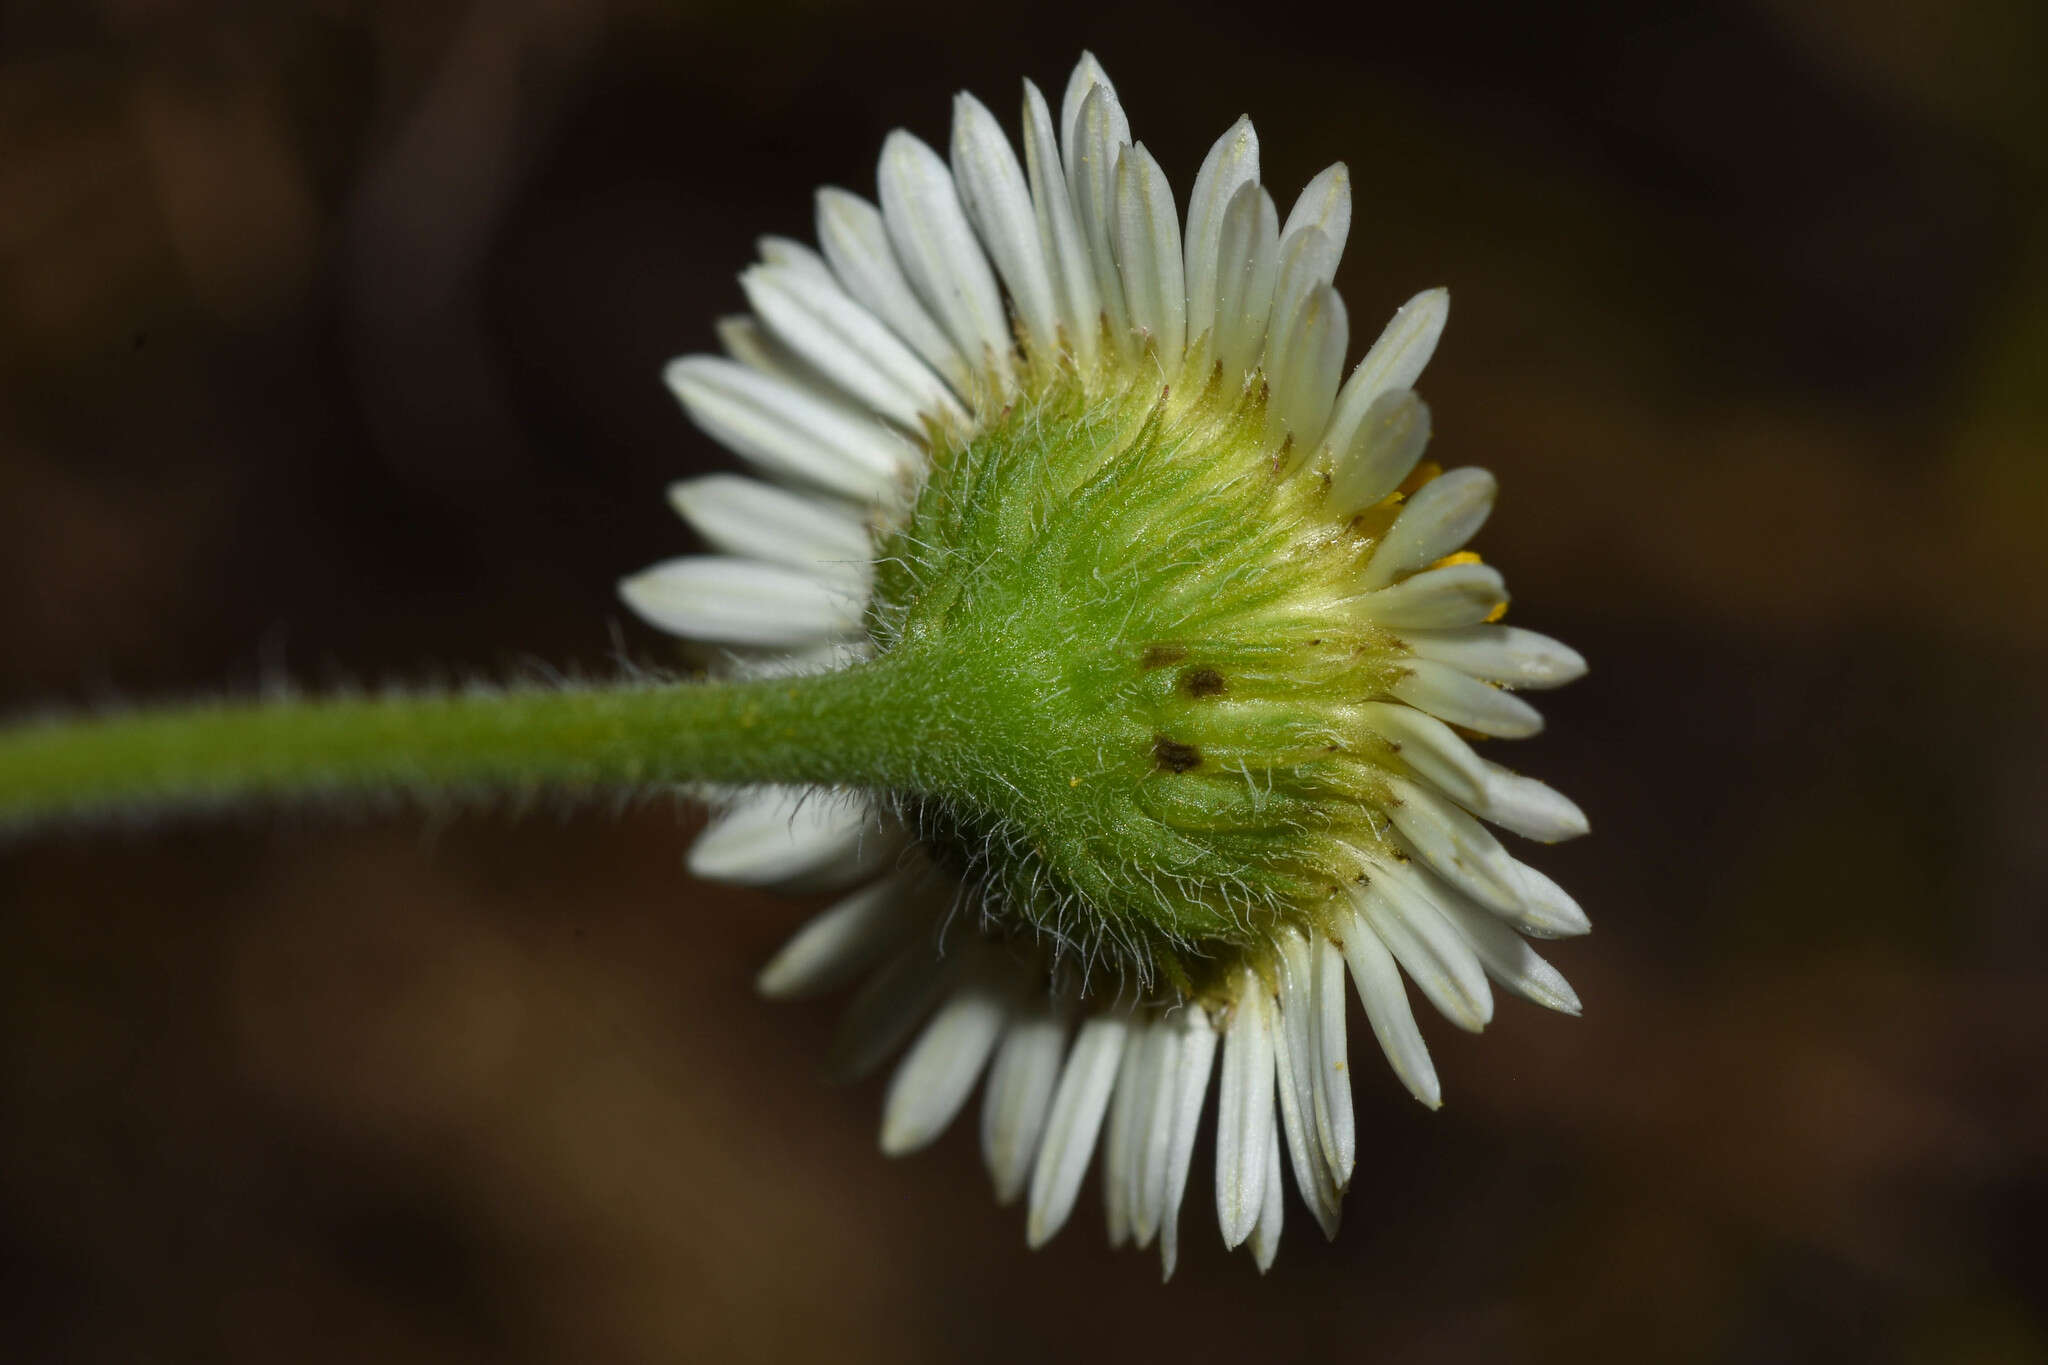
[{"x": 841, "y": 727}]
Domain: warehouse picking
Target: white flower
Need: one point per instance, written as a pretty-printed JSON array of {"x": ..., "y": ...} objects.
[{"x": 980, "y": 281}]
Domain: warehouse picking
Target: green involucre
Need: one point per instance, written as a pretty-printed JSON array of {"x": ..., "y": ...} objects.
[{"x": 1148, "y": 750}]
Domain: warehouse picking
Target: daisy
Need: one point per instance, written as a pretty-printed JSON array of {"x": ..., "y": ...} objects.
[{"x": 1210, "y": 659}]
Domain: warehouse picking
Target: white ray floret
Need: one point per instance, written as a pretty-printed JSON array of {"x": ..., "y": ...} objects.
[
  {"x": 1295, "y": 1072},
  {"x": 1232, "y": 164},
  {"x": 1244, "y": 1112},
  {"x": 1071, "y": 1127},
  {"x": 1501, "y": 654},
  {"x": 856, "y": 242},
  {"x": 1069, "y": 268},
  {"x": 933, "y": 1080},
  {"x": 1195, "y": 1060},
  {"x": 1097, "y": 134},
  {"x": 939, "y": 253},
  {"x": 1440, "y": 518},
  {"x": 998, "y": 201},
  {"x": 835, "y": 948},
  {"x": 1393, "y": 363},
  {"x": 754, "y": 520},
  {"x": 790, "y": 433},
  {"x": 822, "y": 324},
  {"x": 1019, "y": 1095},
  {"x": 1372, "y": 456},
  {"x": 1461, "y": 699},
  {"x": 1146, "y": 235}
]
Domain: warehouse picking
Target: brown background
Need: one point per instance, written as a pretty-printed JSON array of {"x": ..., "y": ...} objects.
[{"x": 329, "y": 348}]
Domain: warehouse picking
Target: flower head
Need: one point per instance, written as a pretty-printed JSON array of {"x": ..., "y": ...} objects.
[{"x": 1196, "y": 660}]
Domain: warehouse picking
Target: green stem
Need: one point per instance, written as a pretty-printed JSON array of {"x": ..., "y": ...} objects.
[{"x": 841, "y": 727}]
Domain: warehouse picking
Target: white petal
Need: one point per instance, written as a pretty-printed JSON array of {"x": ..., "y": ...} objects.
[
  {"x": 1430, "y": 749},
  {"x": 775, "y": 836},
  {"x": 998, "y": 203},
  {"x": 1532, "y": 809},
  {"x": 1100, "y": 134},
  {"x": 1441, "y": 516},
  {"x": 1087, "y": 74},
  {"x": 1336, "y": 1128},
  {"x": 1308, "y": 260},
  {"x": 751, "y": 344},
  {"x": 1019, "y": 1095},
  {"x": 1456, "y": 846},
  {"x": 1265, "y": 1234},
  {"x": 1147, "y": 240},
  {"x": 789, "y": 432},
  {"x": 1394, "y": 362},
  {"x": 885, "y": 1010},
  {"x": 789, "y": 254},
  {"x": 742, "y": 601},
  {"x": 1461, "y": 699},
  {"x": 1190, "y": 1087},
  {"x": 847, "y": 344},
  {"x": 838, "y": 945},
  {"x": 1247, "y": 259},
  {"x": 1244, "y": 1111},
  {"x": 937, "y": 249},
  {"x": 1427, "y": 946},
  {"x": 1071, "y": 270},
  {"x": 1303, "y": 366},
  {"x": 1120, "y": 1137},
  {"x": 856, "y": 242},
  {"x": 1455, "y": 595},
  {"x": 755, "y": 520},
  {"x": 1071, "y": 1129},
  {"x": 1232, "y": 163},
  {"x": 1503, "y": 654},
  {"x": 1323, "y": 206},
  {"x": 1546, "y": 910},
  {"x": 1154, "y": 1156},
  {"x": 1507, "y": 957},
  {"x": 934, "y": 1077},
  {"x": 1294, "y": 1068},
  {"x": 1371, "y": 458},
  {"x": 1386, "y": 1006}
]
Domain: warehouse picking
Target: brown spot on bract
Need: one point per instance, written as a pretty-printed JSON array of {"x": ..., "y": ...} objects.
[
  {"x": 1159, "y": 656},
  {"x": 1173, "y": 756},
  {"x": 1203, "y": 682}
]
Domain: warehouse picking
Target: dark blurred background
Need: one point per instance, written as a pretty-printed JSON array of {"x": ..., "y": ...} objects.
[{"x": 329, "y": 348}]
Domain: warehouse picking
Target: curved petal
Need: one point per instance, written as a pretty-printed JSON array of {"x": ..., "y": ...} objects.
[
  {"x": 754, "y": 520},
  {"x": 1070, "y": 1131},
  {"x": 939, "y": 253},
  {"x": 1454, "y": 595},
  {"x": 856, "y": 242},
  {"x": 1019, "y": 1095},
  {"x": 1147, "y": 241},
  {"x": 848, "y": 344},
  {"x": 1442, "y": 515},
  {"x": 792, "y": 433},
  {"x": 1370, "y": 458},
  {"x": 736, "y": 601},
  {"x": 793, "y": 836},
  {"x": 1247, "y": 260},
  {"x": 1395, "y": 361},
  {"x": 998, "y": 203},
  {"x": 1231, "y": 164},
  {"x": 934, "y": 1077},
  {"x": 1071, "y": 270}
]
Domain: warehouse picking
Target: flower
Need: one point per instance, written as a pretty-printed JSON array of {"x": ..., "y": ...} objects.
[{"x": 1205, "y": 654}]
